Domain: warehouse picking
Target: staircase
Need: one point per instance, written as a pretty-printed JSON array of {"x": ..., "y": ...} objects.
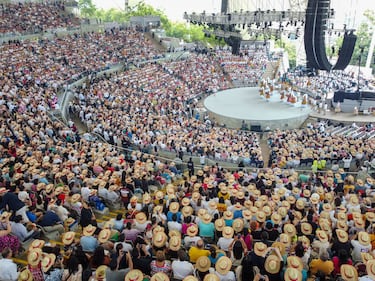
[{"x": 271, "y": 70}]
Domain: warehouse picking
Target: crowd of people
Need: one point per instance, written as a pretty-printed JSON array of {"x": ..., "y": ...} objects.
[
  {"x": 205, "y": 224},
  {"x": 34, "y": 17},
  {"x": 153, "y": 107}
]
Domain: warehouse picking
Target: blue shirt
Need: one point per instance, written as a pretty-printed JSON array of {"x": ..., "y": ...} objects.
[
  {"x": 11, "y": 200},
  {"x": 49, "y": 219},
  {"x": 89, "y": 243},
  {"x": 207, "y": 229}
]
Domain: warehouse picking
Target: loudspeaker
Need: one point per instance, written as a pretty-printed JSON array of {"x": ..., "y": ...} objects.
[{"x": 255, "y": 128}]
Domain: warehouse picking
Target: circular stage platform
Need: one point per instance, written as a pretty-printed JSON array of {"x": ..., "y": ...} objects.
[{"x": 238, "y": 106}]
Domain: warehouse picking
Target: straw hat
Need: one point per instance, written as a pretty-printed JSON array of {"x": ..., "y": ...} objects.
[
  {"x": 342, "y": 235},
  {"x": 207, "y": 218},
  {"x": 306, "y": 193},
  {"x": 195, "y": 196},
  {"x": 185, "y": 201},
  {"x": 211, "y": 277},
  {"x": 104, "y": 235},
  {"x": 228, "y": 232},
  {"x": 285, "y": 239},
  {"x": 364, "y": 238},
  {"x": 212, "y": 205},
  {"x": 366, "y": 257},
  {"x": 276, "y": 218},
  {"x": 146, "y": 198},
  {"x": 272, "y": 264},
  {"x": 228, "y": 215},
  {"x": 5, "y": 216},
  {"x": 223, "y": 265},
  {"x": 280, "y": 246},
  {"x": 158, "y": 195},
  {"x": 203, "y": 264},
  {"x": 34, "y": 257},
  {"x": 48, "y": 261},
  {"x": 295, "y": 262},
  {"x": 219, "y": 224},
  {"x": 282, "y": 211},
  {"x": 348, "y": 272},
  {"x": 68, "y": 237},
  {"x": 247, "y": 214},
  {"x": 322, "y": 235},
  {"x": 159, "y": 239},
  {"x": 75, "y": 198},
  {"x": 25, "y": 275},
  {"x": 340, "y": 224},
  {"x": 134, "y": 275},
  {"x": 89, "y": 230},
  {"x": 140, "y": 218},
  {"x": 160, "y": 276},
  {"x": 300, "y": 204},
  {"x": 260, "y": 248},
  {"x": 157, "y": 229},
  {"x": 342, "y": 216},
  {"x": 290, "y": 229},
  {"x": 238, "y": 225},
  {"x": 315, "y": 198},
  {"x": 201, "y": 213},
  {"x": 267, "y": 210},
  {"x": 37, "y": 244},
  {"x": 187, "y": 211},
  {"x": 370, "y": 268},
  {"x": 261, "y": 216},
  {"x": 192, "y": 230},
  {"x": 100, "y": 272},
  {"x": 370, "y": 216},
  {"x": 175, "y": 243},
  {"x": 306, "y": 228},
  {"x": 292, "y": 274},
  {"x": 174, "y": 207}
]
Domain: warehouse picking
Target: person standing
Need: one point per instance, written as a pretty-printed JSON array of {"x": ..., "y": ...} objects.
[{"x": 190, "y": 166}]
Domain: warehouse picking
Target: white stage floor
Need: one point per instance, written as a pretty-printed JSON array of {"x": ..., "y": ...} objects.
[{"x": 234, "y": 105}]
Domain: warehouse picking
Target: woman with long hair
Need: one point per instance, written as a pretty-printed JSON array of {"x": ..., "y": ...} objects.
[
  {"x": 99, "y": 258},
  {"x": 73, "y": 272}
]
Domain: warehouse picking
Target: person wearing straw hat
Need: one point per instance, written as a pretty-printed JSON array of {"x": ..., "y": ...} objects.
[
  {"x": 361, "y": 244},
  {"x": 181, "y": 267},
  {"x": 88, "y": 242},
  {"x": 348, "y": 272},
  {"x": 25, "y": 275},
  {"x": 207, "y": 228},
  {"x": 274, "y": 265},
  {"x": 227, "y": 238},
  {"x": 34, "y": 259},
  {"x": 6, "y": 239},
  {"x": 191, "y": 237},
  {"x": 52, "y": 267},
  {"x": 174, "y": 224},
  {"x": 370, "y": 270},
  {"x": 202, "y": 267},
  {"x": 223, "y": 269},
  {"x": 8, "y": 269}
]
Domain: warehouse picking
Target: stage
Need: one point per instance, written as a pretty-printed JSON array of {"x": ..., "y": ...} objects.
[{"x": 244, "y": 106}]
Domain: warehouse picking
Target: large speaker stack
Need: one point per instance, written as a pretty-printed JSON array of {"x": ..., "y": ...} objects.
[{"x": 317, "y": 15}]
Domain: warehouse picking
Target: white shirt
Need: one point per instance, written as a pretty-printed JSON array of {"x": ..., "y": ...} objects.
[
  {"x": 224, "y": 243},
  {"x": 181, "y": 269},
  {"x": 358, "y": 248},
  {"x": 227, "y": 277},
  {"x": 8, "y": 270}
]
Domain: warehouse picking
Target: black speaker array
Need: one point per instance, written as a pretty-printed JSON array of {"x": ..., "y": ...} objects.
[{"x": 317, "y": 15}]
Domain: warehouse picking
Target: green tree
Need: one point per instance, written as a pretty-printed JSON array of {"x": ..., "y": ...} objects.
[
  {"x": 364, "y": 34},
  {"x": 86, "y": 8}
]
